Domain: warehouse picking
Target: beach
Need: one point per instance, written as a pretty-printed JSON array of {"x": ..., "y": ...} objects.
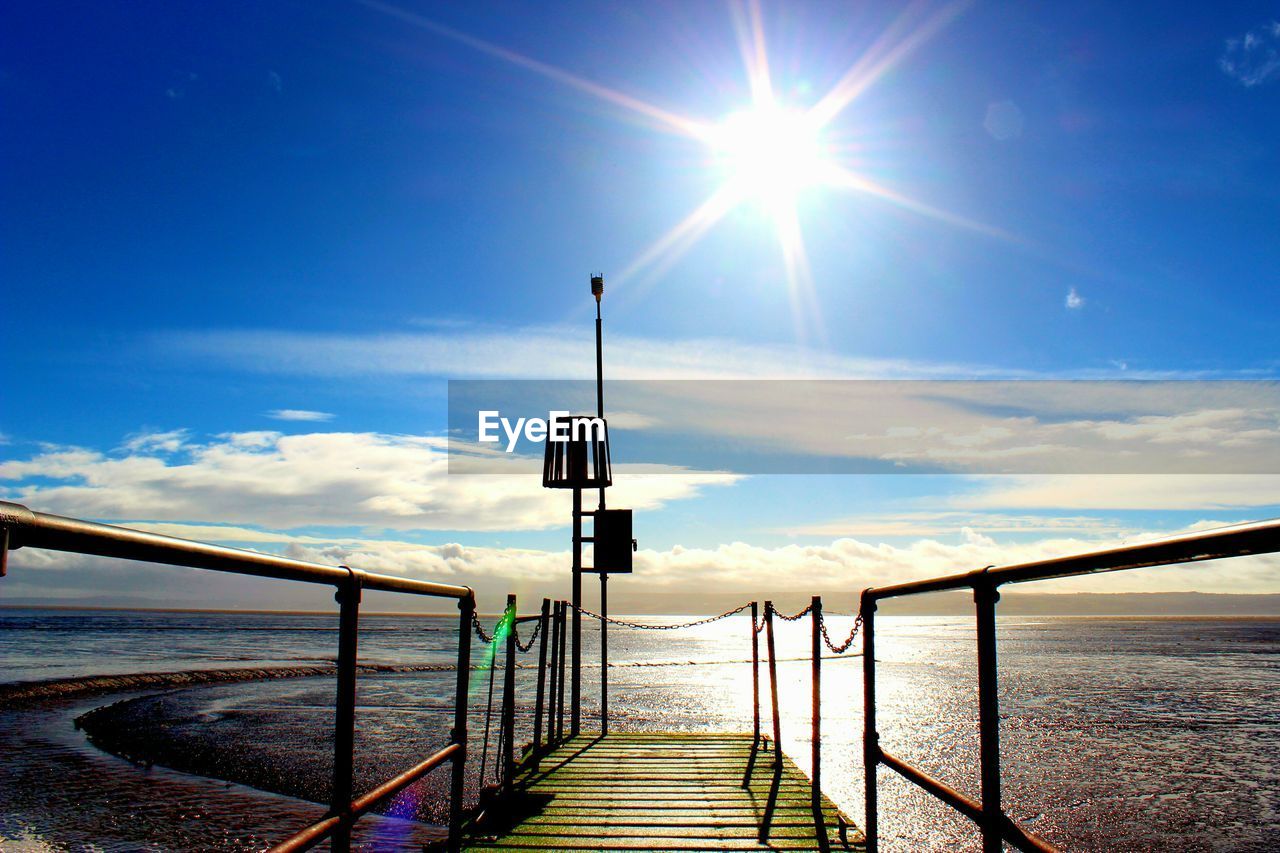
[{"x": 1171, "y": 739}]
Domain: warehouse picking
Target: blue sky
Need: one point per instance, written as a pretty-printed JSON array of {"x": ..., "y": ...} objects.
[{"x": 215, "y": 213}]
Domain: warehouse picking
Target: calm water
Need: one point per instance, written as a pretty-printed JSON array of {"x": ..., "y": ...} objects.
[{"x": 1132, "y": 734}]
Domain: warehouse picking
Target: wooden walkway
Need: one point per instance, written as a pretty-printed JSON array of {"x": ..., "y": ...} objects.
[{"x": 662, "y": 791}]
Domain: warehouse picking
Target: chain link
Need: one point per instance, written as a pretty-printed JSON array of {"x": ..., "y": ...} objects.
[
  {"x": 524, "y": 647},
  {"x": 843, "y": 647},
  {"x": 625, "y": 624},
  {"x": 796, "y": 618},
  {"x": 480, "y": 632}
]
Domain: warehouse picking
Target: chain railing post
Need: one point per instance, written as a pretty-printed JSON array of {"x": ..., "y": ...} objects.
[
  {"x": 543, "y": 628},
  {"x": 755, "y": 674},
  {"x": 870, "y": 737},
  {"x": 553, "y": 706},
  {"x": 985, "y": 596},
  {"x": 509, "y": 699},
  {"x": 344, "y": 724},
  {"x": 604, "y": 647},
  {"x": 564, "y": 640},
  {"x": 773, "y": 684},
  {"x": 575, "y": 694},
  {"x": 819, "y": 822},
  {"x": 457, "y": 780}
]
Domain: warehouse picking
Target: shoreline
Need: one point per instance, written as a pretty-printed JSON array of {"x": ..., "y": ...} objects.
[{"x": 25, "y": 694}]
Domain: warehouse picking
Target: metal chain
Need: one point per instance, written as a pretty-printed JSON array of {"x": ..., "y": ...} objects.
[
  {"x": 641, "y": 627},
  {"x": 797, "y": 617},
  {"x": 524, "y": 647},
  {"x": 843, "y": 647},
  {"x": 475, "y": 623}
]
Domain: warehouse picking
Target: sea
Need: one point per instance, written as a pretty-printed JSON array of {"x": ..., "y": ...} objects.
[{"x": 1135, "y": 734}]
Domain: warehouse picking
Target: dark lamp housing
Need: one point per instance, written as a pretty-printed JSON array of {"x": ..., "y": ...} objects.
[
  {"x": 612, "y": 540},
  {"x": 581, "y": 461}
]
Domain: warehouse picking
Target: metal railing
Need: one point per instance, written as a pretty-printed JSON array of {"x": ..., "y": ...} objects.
[
  {"x": 21, "y": 527},
  {"x": 997, "y": 828},
  {"x": 817, "y": 638}
]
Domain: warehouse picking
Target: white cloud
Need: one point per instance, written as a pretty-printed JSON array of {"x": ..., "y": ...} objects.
[
  {"x": 844, "y": 564},
  {"x": 966, "y": 427},
  {"x": 1254, "y": 58},
  {"x": 944, "y": 523},
  {"x": 327, "y": 479},
  {"x": 534, "y": 352},
  {"x": 1074, "y": 300},
  {"x": 170, "y": 441},
  {"x": 1123, "y": 492},
  {"x": 299, "y": 415}
]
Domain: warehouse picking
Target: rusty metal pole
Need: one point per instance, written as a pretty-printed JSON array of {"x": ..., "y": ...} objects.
[
  {"x": 564, "y": 670},
  {"x": 870, "y": 737},
  {"x": 985, "y": 596},
  {"x": 553, "y": 706},
  {"x": 509, "y": 699},
  {"x": 543, "y": 628},
  {"x": 466, "y": 607},
  {"x": 820, "y": 825},
  {"x": 344, "y": 724},
  {"x": 604, "y": 649},
  {"x": 575, "y": 691},
  {"x": 598, "y": 290},
  {"x": 773, "y": 684},
  {"x": 755, "y": 674}
]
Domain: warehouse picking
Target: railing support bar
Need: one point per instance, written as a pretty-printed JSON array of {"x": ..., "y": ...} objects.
[
  {"x": 553, "y": 706},
  {"x": 509, "y": 700},
  {"x": 344, "y": 728},
  {"x": 604, "y": 647},
  {"x": 543, "y": 628},
  {"x": 462, "y": 689},
  {"x": 755, "y": 673},
  {"x": 773, "y": 685},
  {"x": 870, "y": 737},
  {"x": 575, "y": 696},
  {"x": 564, "y": 663},
  {"x": 819, "y": 823},
  {"x": 985, "y": 596}
]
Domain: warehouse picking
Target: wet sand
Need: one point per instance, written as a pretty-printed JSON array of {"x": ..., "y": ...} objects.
[{"x": 61, "y": 792}]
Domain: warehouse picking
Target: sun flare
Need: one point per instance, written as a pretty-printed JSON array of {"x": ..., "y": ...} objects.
[{"x": 770, "y": 154}]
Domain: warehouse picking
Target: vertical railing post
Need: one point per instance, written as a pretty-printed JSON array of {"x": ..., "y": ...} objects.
[
  {"x": 755, "y": 673},
  {"x": 604, "y": 648},
  {"x": 553, "y": 705},
  {"x": 466, "y": 607},
  {"x": 344, "y": 727},
  {"x": 543, "y": 628},
  {"x": 509, "y": 699},
  {"x": 870, "y": 737},
  {"x": 773, "y": 685},
  {"x": 564, "y": 664},
  {"x": 819, "y": 822},
  {"x": 575, "y": 695},
  {"x": 985, "y": 596}
]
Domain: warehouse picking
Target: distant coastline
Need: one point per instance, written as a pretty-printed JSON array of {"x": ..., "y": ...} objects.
[{"x": 1012, "y": 603}]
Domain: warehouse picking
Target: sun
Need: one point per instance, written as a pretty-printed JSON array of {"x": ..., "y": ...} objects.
[{"x": 770, "y": 154}]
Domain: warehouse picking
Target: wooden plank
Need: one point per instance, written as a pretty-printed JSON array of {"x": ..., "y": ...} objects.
[{"x": 663, "y": 791}]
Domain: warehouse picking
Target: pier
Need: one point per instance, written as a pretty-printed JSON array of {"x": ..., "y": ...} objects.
[{"x": 662, "y": 791}]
